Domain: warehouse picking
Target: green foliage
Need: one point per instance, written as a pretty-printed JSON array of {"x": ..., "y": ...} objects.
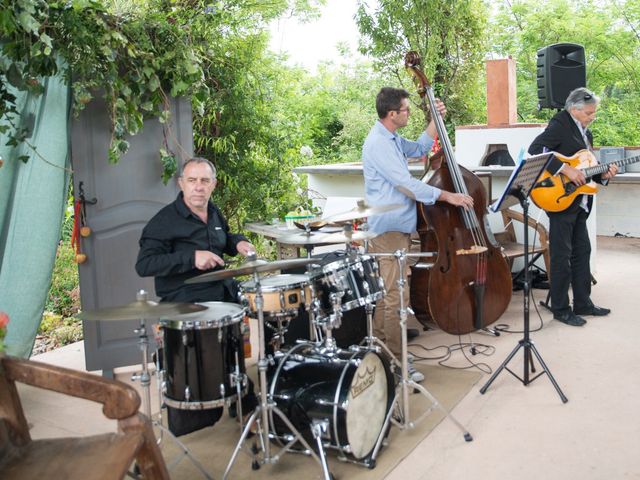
[
  {"x": 450, "y": 38},
  {"x": 609, "y": 33},
  {"x": 64, "y": 293},
  {"x": 136, "y": 59}
]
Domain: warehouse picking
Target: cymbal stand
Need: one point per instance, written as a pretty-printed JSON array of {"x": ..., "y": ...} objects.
[
  {"x": 145, "y": 382},
  {"x": 266, "y": 409},
  {"x": 311, "y": 304},
  {"x": 400, "y": 402}
]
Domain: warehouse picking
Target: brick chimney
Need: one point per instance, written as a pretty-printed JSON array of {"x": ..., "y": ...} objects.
[{"x": 502, "y": 108}]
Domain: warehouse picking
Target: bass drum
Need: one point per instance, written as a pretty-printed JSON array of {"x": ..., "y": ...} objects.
[{"x": 349, "y": 391}]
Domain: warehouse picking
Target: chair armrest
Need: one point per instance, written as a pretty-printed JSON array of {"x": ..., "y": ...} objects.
[{"x": 119, "y": 400}]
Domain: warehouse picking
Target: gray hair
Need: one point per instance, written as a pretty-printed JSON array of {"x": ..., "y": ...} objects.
[
  {"x": 580, "y": 98},
  {"x": 199, "y": 160}
]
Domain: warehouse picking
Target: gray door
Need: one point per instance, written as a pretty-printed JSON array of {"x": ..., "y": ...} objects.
[{"x": 128, "y": 194}]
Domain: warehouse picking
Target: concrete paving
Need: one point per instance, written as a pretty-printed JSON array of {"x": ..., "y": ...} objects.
[{"x": 523, "y": 432}]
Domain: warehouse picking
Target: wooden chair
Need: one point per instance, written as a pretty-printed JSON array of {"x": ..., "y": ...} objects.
[
  {"x": 513, "y": 249},
  {"x": 98, "y": 457}
]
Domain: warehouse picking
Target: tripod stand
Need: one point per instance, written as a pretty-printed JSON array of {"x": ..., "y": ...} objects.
[
  {"x": 400, "y": 403},
  {"x": 520, "y": 188}
]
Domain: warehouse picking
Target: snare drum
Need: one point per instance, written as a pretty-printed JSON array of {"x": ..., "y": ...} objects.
[
  {"x": 201, "y": 352},
  {"x": 350, "y": 391},
  {"x": 282, "y": 294},
  {"x": 357, "y": 279}
]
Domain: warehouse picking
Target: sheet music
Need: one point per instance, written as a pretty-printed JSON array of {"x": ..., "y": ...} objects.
[{"x": 522, "y": 178}]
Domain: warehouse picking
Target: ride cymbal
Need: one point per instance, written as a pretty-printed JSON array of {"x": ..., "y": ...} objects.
[
  {"x": 250, "y": 267},
  {"x": 307, "y": 238},
  {"x": 361, "y": 211},
  {"x": 347, "y": 237}
]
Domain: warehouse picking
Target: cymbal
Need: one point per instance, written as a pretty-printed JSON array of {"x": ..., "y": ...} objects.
[
  {"x": 361, "y": 211},
  {"x": 346, "y": 237},
  {"x": 307, "y": 238},
  {"x": 140, "y": 309},
  {"x": 249, "y": 267}
]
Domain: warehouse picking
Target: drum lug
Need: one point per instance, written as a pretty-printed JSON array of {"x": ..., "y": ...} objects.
[
  {"x": 187, "y": 393},
  {"x": 222, "y": 391}
]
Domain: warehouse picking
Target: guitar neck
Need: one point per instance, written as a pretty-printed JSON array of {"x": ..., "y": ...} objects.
[{"x": 603, "y": 167}]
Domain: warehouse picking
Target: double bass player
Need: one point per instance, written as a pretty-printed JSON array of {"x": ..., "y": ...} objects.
[{"x": 388, "y": 181}]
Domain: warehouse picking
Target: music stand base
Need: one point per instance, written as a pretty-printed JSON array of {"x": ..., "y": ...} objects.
[{"x": 528, "y": 348}]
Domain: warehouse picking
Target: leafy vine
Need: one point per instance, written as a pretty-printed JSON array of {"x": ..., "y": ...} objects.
[{"x": 136, "y": 59}]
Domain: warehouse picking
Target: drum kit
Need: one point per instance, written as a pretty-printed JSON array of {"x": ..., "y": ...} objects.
[{"x": 311, "y": 393}]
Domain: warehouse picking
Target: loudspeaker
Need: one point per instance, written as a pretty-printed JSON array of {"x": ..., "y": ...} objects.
[{"x": 561, "y": 68}]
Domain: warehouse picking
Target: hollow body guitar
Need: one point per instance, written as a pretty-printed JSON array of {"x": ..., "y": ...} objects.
[
  {"x": 469, "y": 285},
  {"x": 556, "y": 193}
]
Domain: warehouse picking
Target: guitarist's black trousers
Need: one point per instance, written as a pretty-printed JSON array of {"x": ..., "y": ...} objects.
[{"x": 570, "y": 251}]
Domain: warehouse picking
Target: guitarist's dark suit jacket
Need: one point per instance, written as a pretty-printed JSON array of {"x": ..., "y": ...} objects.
[
  {"x": 570, "y": 248},
  {"x": 563, "y": 136}
]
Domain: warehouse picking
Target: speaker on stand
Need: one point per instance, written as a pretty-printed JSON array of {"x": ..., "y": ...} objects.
[{"x": 561, "y": 68}]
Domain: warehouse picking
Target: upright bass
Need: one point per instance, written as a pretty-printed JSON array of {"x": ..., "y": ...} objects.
[{"x": 468, "y": 287}]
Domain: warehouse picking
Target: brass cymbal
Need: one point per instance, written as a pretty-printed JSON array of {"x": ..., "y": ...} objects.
[
  {"x": 307, "y": 238},
  {"x": 250, "y": 267},
  {"x": 140, "y": 309},
  {"x": 346, "y": 237},
  {"x": 361, "y": 211}
]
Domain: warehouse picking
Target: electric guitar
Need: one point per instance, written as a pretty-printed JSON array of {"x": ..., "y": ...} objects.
[{"x": 555, "y": 193}]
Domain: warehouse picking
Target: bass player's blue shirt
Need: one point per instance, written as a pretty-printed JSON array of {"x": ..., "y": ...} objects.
[{"x": 387, "y": 179}]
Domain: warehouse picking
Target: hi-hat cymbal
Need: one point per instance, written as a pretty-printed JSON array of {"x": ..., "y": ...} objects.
[
  {"x": 361, "y": 211},
  {"x": 140, "y": 309},
  {"x": 346, "y": 237},
  {"x": 250, "y": 267}
]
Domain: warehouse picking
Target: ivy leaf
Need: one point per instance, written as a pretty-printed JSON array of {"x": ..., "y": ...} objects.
[
  {"x": 154, "y": 83},
  {"x": 23, "y": 158},
  {"x": 46, "y": 39},
  {"x": 14, "y": 77},
  {"x": 29, "y": 23},
  {"x": 179, "y": 88},
  {"x": 169, "y": 165},
  {"x": 164, "y": 116}
]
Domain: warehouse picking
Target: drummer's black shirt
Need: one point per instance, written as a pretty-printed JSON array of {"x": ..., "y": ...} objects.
[{"x": 167, "y": 252}]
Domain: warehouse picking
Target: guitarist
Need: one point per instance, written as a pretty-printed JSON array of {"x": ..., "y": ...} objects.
[{"x": 570, "y": 248}]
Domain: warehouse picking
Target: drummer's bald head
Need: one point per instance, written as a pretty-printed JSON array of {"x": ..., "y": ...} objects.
[
  {"x": 196, "y": 160},
  {"x": 389, "y": 99}
]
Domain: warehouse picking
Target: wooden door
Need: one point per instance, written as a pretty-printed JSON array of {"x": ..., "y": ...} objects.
[{"x": 127, "y": 195}]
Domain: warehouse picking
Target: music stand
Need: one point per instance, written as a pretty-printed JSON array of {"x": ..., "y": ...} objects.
[{"x": 518, "y": 189}]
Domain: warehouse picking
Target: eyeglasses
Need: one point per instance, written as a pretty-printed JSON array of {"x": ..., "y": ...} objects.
[{"x": 403, "y": 110}]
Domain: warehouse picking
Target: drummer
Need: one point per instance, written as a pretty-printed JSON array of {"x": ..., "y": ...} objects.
[{"x": 186, "y": 238}]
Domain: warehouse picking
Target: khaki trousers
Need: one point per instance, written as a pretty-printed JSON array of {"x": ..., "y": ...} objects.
[{"x": 386, "y": 320}]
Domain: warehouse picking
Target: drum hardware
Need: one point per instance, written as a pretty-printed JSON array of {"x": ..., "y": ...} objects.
[
  {"x": 142, "y": 309},
  {"x": 263, "y": 414},
  {"x": 402, "y": 419}
]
